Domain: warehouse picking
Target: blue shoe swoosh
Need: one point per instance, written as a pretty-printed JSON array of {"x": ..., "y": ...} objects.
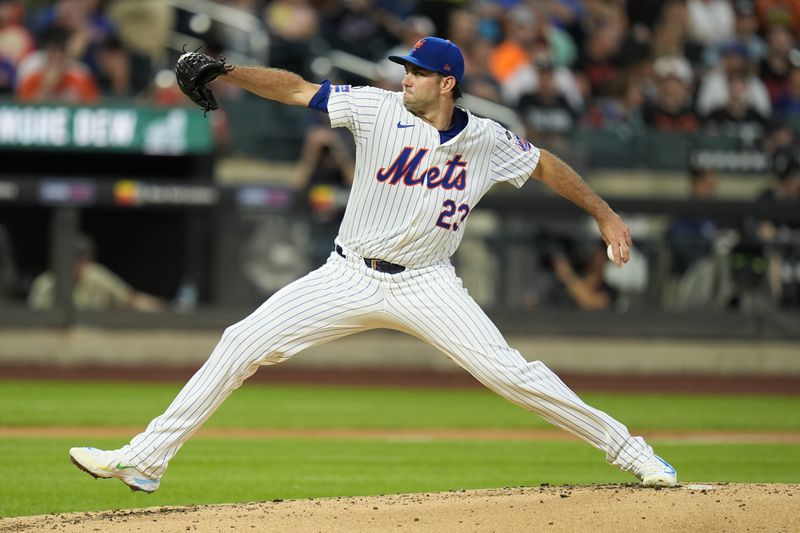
[
  {"x": 401, "y": 126},
  {"x": 671, "y": 469}
]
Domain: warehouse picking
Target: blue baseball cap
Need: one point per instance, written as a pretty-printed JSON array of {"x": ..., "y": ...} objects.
[{"x": 436, "y": 54}]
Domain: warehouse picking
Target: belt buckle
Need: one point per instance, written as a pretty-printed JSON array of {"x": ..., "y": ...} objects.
[{"x": 373, "y": 264}]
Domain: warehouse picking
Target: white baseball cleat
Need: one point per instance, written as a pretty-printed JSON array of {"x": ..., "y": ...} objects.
[
  {"x": 111, "y": 464},
  {"x": 656, "y": 472}
]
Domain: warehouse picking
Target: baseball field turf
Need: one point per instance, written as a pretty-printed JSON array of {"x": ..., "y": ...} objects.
[{"x": 272, "y": 442}]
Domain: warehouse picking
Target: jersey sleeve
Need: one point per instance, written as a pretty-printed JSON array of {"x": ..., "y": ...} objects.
[
  {"x": 513, "y": 158},
  {"x": 355, "y": 108}
]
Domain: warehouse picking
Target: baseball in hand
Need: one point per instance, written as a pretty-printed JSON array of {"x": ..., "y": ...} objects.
[{"x": 610, "y": 252}]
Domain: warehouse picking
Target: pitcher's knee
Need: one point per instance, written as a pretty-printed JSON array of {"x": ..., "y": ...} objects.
[
  {"x": 273, "y": 358},
  {"x": 248, "y": 347},
  {"x": 526, "y": 375}
]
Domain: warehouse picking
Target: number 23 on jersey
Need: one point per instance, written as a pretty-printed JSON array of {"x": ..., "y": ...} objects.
[{"x": 451, "y": 211}]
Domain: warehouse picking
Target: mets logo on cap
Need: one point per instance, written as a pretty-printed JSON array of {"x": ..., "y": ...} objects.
[{"x": 436, "y": 54}]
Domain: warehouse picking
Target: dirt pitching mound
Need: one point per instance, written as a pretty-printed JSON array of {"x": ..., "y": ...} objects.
[{"x": 597, "y": 508}]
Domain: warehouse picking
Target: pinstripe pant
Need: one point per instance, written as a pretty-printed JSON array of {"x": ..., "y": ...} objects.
[{"x": 344, "y": 297}]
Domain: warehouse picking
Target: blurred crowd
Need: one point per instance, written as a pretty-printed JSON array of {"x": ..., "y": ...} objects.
[
  {"x": 79, "y": 51},
  {"x": 730, "y": 66}
]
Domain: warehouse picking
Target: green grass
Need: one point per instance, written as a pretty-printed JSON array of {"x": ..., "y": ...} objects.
[
  {"x": 252, "y": 406},
  {"x": 37, "y": 476},
  {"x": 214, "y": 471}
]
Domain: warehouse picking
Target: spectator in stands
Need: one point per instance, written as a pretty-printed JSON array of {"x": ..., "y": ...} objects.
[
  {"x": 671, "y": 109},
  {"x": 713, "y": 90},
  {"x": 548, "y": 115},
  {"x": 622, "y": 112},
  {"x": 292, "y": 25},
  {"x": 521, "y": 33},
  {"x": 746, "y": 32},
  {"x": 476, "y": 31},
  {"x": 775, "y": 66},
  {"x": 93, "y": 40},
  {"x": 781, "y": 241},
  {"x": 586, "y": 284},
  {"x": 96, "y": 287},
  {"x": 566, "y": 13},
  {"x": 785, "y": 12},
  {"x": 15, "y": 39},
  {"x": 49, "y": 74},
  {"x": 478, "y": 79},
  {"x": 114, "y": 69},
  {"x": 711, "y": 22},
  {"x": 645, "y": 14},
  {"x": 747, "y": 29},
  {"x": 486, "y": 22},
  {"x": 698, "y": 271},
  {"x": 559, "y": 43},
  {"x": 463, "y": 27},
  {"x": 526, "y": 78},
  {"x": 323, "y": 177},
  {"x": 87, "y": 26},
  {"x": 415, "y": 28},
  {"x": 361, "y": 28},
  {"x": 528, "y": 33},
  {"x": 670, "y": 35},
  {"x": 598, "y": 64},
  {"x": 15, "y": 42},
  {"x": 787, "y": 104},
  {"x": 581, "y": 18},
  {"x": 690, "y": 239},
  {"x": 737, "y": 118}
]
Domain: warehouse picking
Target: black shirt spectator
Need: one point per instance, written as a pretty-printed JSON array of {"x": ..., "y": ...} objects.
[
  {"x": 672, "y": 109},
  {"x": 547, "y": 113},
  {"x": 599, "y": 61},
  {"x": 737, "y": 118}
]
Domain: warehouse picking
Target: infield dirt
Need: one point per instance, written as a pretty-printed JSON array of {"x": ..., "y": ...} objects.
[{"x": 598, "y": 508}]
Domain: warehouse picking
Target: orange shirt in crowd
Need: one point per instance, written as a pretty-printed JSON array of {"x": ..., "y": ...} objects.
[
  {"x": 75, "y": 86},
  {"x": 506, "y": 58}
]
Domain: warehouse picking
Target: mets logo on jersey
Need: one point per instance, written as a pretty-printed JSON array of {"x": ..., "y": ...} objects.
[{"x": 405, "y": 169}]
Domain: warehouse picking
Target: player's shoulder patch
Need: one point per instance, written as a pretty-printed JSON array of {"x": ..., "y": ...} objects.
[{"x": 520, "y": 143}]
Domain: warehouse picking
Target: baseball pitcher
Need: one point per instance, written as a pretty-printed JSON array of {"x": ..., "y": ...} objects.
[{"x": 422, "y": 165}]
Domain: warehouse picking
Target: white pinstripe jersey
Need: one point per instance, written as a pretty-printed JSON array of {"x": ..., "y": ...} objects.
[{"x": 411, "y": 194}]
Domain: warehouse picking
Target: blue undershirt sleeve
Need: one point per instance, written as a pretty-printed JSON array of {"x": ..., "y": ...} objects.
[{"x": 320, "y": 100}]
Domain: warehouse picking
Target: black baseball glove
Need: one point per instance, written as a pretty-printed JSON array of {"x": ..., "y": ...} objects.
[{"x": 194, "y": 71}]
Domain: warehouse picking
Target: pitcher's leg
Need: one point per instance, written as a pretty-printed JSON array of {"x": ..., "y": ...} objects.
[
  {"x": 438, "y": 310},
  {"x": 326, "y": 304}
]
